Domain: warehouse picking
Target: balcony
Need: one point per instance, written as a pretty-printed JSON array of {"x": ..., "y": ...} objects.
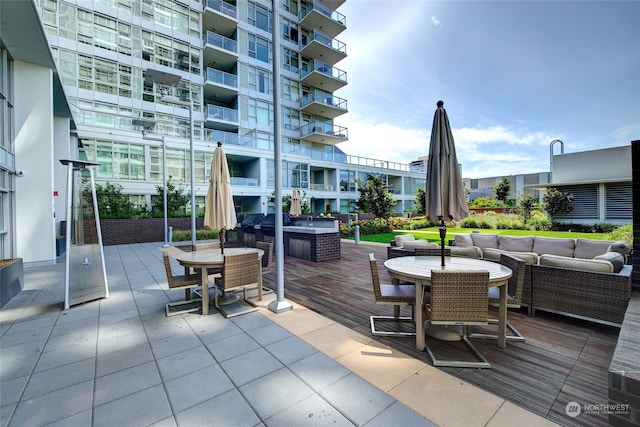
[
  {"x": 318, "y": 74},
  {"x": 220, "y": 86},
  {"x": 220, "y": 15},
  {"x": 322, "y": 187},
  {"x": 323, "y": 104},
  {"x": 220, "y": 51},
  {"x": 319, "y": 15},
  {"x": 247, "y": 182},
  {"x": 324, "y": 133},
  {"x": 221, "y": 118},
  {"x": 317, "y": 45}
]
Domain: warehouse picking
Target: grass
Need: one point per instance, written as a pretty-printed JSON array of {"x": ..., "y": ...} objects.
[{"x": 433, "y": 235}]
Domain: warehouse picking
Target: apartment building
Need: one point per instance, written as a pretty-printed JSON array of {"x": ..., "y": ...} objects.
[{"x": 222, "y": 53}]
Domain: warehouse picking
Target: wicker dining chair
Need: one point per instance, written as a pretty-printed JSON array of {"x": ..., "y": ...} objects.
[
  {"x": 267, "y": 261},
  {"x": 459, "y": 298},
  {"x": 186, "y": 282},
  {"x": 239, "y": 271},
  {"x": 388, "y": 294},
  {"x": 431, "y": 251},
  {"x": 514, "y": 296}
]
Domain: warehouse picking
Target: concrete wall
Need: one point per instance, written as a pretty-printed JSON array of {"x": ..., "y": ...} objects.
[{"x": 595, "y": 165}]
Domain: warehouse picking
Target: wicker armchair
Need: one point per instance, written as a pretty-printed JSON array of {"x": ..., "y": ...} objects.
[
  {"x": 239, "y": 271},
  {"x": 185, "y": 282},
  {"x": 387, "y": 294},
  {"x": 267, "y": 247},
  {"x": 514, "y": 296},
  {"x": 459, "y": 298}
]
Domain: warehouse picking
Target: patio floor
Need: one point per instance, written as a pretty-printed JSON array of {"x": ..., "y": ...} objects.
[{"x": 121, "y": 361}]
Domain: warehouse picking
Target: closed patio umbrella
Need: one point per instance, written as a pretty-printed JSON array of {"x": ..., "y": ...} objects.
[
  {"x": 219, "y": 212},
  {"x": 295, "y": 209},
  {"x": 445, "y": 198}
]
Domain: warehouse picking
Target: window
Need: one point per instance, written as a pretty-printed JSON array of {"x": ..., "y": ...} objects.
[
  {"x": 289, "y": 31},
  {"x": 259, "y": 79},
  {"x": 290, "y": 60},
  {"x": 290, "y": 89},
  {"x": 347, "y": 180},
  {"x": 258, "y": 48},
  {"x": 259, "y": 16},
  {"x": 291, "y": 118}
]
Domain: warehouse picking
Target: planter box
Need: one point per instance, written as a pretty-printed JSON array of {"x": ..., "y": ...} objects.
[{"x": 11, "y": 280}]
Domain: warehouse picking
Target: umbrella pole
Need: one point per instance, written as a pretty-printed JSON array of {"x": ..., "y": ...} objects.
[
  {"x": 443, "y": 233},
  {"x": 222, "y": 240}
]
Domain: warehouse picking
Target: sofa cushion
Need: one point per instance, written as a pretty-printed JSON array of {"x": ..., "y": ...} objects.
[
  {"x": 516, "y": 244},
  {"x": 412, "y": 244},
  {"x": 494, "y": 255},
  {"x": 621, "y": 247},
  {"x": 484, "y": 241},
  {"x": 463, "y": 240},
  {"x": 468, "y": 251},
  {"x": 590, "y": 249},
  {"x": 401, "y": 238},
  {"x": 614, "y": 258},
  {"x": 577, "y": 263},
  {"x": 553, "y": 246}
]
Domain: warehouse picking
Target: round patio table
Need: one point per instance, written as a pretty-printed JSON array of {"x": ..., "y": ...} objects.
[
  {"x": 417, "y": 269},
  {"x": 206, "y": 258}
]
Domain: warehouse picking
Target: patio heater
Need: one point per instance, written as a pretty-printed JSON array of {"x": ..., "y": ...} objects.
[{"x": 85, "y": 272}]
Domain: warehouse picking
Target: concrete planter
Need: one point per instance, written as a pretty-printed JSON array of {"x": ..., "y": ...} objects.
[{"x": 11, "y": 279}]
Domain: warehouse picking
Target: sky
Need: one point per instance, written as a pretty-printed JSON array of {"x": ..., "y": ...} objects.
[{"x": 513, "y": 75}]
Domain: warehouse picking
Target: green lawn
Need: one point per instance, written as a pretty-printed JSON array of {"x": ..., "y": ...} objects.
[{"x": 432, "y": 234}]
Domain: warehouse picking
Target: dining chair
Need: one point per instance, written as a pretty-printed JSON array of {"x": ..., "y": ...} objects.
[
  {"x": 459, "y": 297},
  {"x": 186, "y": 282},
  {"x": 431, "y": 251},
  {"x": 389, "y": 294},
  {"x": 239, "y": 271},
  {"x": 211, "y": 245},
  {"x": 267, "y": 261},
  {"x": 514, "y": 296}
]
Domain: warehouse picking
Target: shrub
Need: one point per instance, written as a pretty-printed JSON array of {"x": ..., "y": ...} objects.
[
  {"x": 471, "y": 222},
  {"x": 398, "y": 222},
  {"x": 417, "y": 224},
  {"x": 185, "y": 235},
  {"x": 510, "y": 224},
  {"x": 374, "y": 226},
  {"x": 347, "y": 230},
  {"x": 624, "y": 232},
  {"x": 603, "y": 227},
  {"x": 484, "y": 202}
]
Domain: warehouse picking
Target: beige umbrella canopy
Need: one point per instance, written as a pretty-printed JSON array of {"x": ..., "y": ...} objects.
[
  {"x": 295, "y": 209},
  {"x": 445, "y": 198},
  {"x": 219, "y": 212}
]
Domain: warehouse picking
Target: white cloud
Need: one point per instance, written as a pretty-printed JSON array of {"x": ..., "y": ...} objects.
[{"x": 436, "y": 21}]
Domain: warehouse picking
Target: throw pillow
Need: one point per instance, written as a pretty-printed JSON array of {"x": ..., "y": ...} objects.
[
  {"x": 614, "y": 258},
  {"x": 484, "y": 241},
  {"x": 463, "y": 240},
  {"x": 553, "y": 246},
  {"x": 590, "y": 249},
  {"x": 401, "y": 238}
]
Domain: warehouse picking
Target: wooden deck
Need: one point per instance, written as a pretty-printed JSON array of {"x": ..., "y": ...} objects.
[{"x": 562, "y": 360}]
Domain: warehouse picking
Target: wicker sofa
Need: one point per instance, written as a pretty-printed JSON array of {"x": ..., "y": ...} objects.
[{"x": 586, "y": 279}]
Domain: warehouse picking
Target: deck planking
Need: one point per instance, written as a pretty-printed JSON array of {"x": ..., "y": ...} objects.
[{"x": 562, "y": 360}]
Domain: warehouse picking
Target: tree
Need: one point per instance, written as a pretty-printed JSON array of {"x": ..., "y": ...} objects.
[
  {"x": 501, "y": 190},
  {"x": 557, "y": 203},
  {"x": 375, "y": 197},
  {"x": 177, "y": 200},
  {"x": 112, "y": 203},
  {"x": 525, "y": 206},
  {"x": 420, "y": 202}
]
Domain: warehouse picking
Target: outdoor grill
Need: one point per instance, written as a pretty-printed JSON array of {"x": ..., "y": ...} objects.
[
  {"x": 250, "y": 221},
  {"x": 268, "y": 227}
]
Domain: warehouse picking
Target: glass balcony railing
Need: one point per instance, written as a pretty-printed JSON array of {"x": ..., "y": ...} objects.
[
  {"x": 323, "y": 68},
  {"x": 214, "y": 112},
  {"x": 222, "y": 42},
  {"x": 322, "y": 187},
  {"x": 323, "y": 98},
  {"x": 324, "y": 127},
  {"x": 316, "y": 35},
  {"x": 247, "y": 182},
  {"x": 222, "y": 78},
  {"x": 325, "y": 10},
  {"x": 223, "y": 7}
]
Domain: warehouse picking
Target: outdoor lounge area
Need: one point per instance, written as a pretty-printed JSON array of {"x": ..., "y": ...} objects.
[{"x": 99, "y": 363}]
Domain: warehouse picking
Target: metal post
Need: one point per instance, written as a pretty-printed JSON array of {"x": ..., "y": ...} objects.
[
  {"x": 193, "y": 176},
  {"x": 164, "y": 193},
  {"x": 357, "y": 234},
  {"x": 279, "y": 304}
]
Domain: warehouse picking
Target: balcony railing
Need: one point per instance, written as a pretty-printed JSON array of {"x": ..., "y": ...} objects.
[
  {"x": 223, "y": 7},
  {"x": 322, "y": 187},
  {"x": 325, "y": 10},
  {"x": 247, "y": 182},
  {"x": 323, "y": 68},
  {"x": 214, "y": 112},
  {"x": 323, "y": 98},
  {"x": 324, "y": 127},
  {"x": 316, "y": 35},
  {"x": 222, "y": 78},
  {"x": 222, "y": 42}
]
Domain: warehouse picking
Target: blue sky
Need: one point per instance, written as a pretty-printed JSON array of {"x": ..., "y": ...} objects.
[{"x": 513, "y": 75}]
